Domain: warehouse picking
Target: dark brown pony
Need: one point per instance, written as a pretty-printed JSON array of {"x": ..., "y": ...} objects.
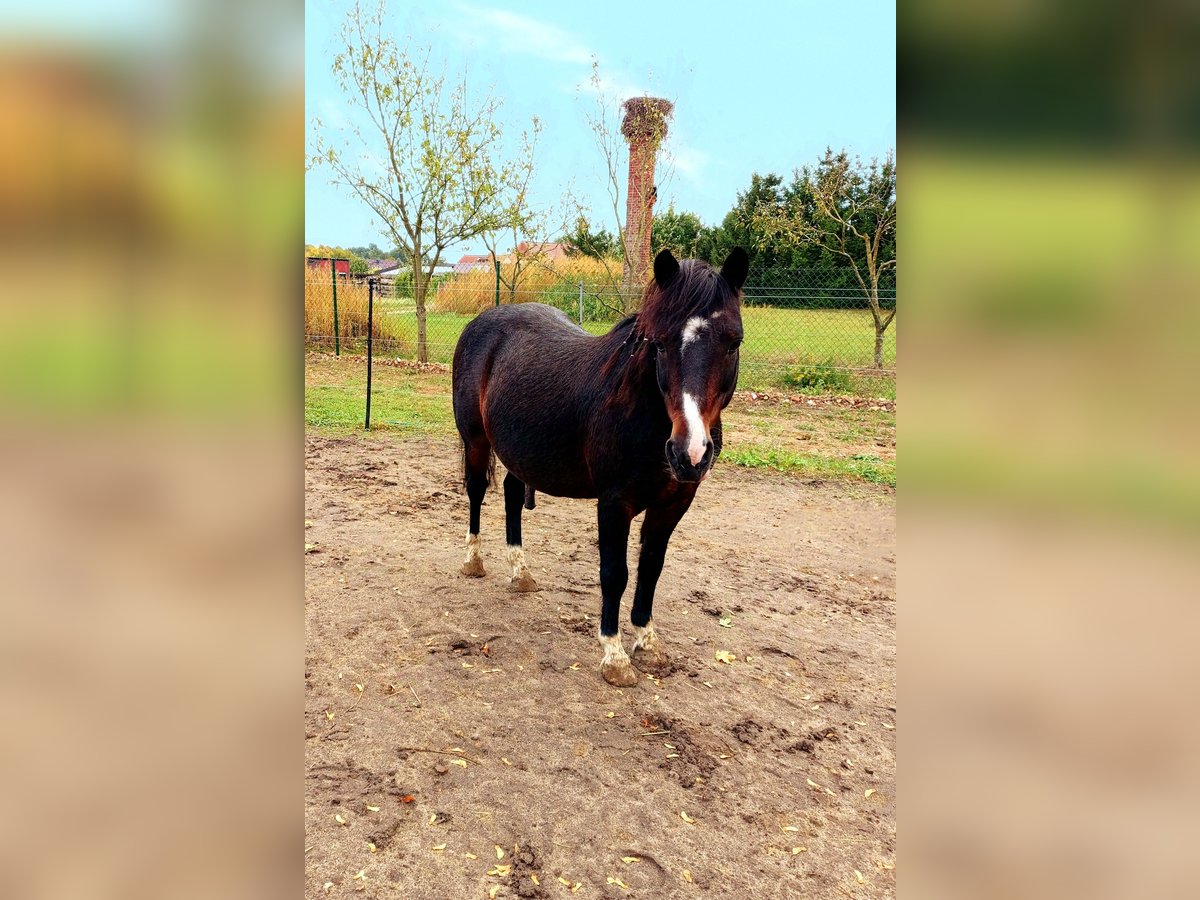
[{"x": 632, "y": 419}]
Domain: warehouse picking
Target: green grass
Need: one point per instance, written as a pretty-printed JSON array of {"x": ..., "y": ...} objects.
[
  {"x": 868, "y": 468},
  {"x": 844, "y": 337},
  {"x": 335, "y": 399},
  {"x": 833, "y": 443},
  {"x": 775, "y": 340},
  {"x": 342, "y": 409}
]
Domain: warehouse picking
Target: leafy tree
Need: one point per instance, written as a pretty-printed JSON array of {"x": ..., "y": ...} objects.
[
  {"x": 741, "y": 227},
  {"x": 420, "y": 152},
  {"x": 847, "y": 211},
  {"x": 595, "y": 244},
  {"x": 683, "y": 234},
  {"x": 358, "y": 265},
  {"x": 374, "y": 251},
  {"x": 370, "y": 251}
]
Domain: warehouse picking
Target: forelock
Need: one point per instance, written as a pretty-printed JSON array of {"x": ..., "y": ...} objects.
[{"x": 697, "y": 292}]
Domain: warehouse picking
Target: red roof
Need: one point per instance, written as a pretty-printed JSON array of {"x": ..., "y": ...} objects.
[
  {"x": 473, "y": 262},
  {"x": 540, "y": 248}
]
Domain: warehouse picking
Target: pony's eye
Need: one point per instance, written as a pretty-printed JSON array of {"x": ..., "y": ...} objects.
[
  {"x": 658, "y": 347},
  {"x": 734, "y": 347}
]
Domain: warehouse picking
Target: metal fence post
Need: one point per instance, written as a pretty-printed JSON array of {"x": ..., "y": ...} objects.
[
  {"x": 581, "y": 304},
  {"x": 370, "y": 344},
  {"x": 337, "y": 338},
  {"x": 497, "y": 261}
]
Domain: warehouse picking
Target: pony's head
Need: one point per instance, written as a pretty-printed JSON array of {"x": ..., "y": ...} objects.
[{"x": 692, "y": 322}]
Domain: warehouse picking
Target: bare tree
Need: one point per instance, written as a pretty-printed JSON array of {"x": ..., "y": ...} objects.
[
  {"x": 849, "y": 210},
  {"x": 419, "y": 151},
  {"x": 518, "y": 221}
]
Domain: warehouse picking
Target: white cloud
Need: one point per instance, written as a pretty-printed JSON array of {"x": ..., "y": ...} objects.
[
  {"x": 521, "y": 34},
  {"x": 331, "y": 113},
  {"x": 612, "y": 85},
  {"x": 688, "y": 161},
  {"x": 512, "y": 32}
]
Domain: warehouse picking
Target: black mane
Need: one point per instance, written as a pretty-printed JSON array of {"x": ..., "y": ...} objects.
[{"x": 697, "y": 290}]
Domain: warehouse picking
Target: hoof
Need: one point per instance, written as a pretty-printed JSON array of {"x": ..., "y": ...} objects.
[
  {"x": 619, "y": 673},
  {"x": 523, "y": 583},
  {"x": 474, "y": 568}
]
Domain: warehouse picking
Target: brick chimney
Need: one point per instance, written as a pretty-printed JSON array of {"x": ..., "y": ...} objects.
[{"x": 644, "y": 126}]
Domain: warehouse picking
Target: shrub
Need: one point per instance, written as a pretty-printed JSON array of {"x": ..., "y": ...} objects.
[{"x": 821, "y": 378}]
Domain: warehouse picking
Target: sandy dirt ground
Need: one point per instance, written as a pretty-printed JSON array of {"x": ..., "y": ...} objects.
[{"x": 461, "y": 742}]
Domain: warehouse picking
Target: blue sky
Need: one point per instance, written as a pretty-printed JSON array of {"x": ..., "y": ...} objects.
[{"x": 757, "y": 87}]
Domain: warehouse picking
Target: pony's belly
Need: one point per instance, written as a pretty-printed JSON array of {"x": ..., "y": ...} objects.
[
  {"x": 535, "y": 421},
  {"x": 558, "y": 476},
  {"x": 545, "y": 458}
]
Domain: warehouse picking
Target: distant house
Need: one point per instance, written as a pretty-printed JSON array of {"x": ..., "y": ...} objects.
[
  {"x": 381, "y": 265},
  {"x": 321, "y": 264},
  {"x": 554, "y": 252},
  {"x": 393, "y": 268},
  {"x": 544, "y": 250},
  {"x": 473, "y": 263}
]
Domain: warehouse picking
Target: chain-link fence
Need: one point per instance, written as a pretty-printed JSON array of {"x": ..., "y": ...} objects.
[{"x": 805, "y": 331}]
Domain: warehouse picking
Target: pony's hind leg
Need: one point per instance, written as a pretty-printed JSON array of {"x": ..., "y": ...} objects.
[
  {"x": 477, "y": 461},
  {"x": 514, "y": 495}
]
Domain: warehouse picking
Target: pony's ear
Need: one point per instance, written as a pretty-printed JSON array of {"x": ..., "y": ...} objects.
[
  {"x": 666, "y": 267},
  {"x": 737, "y": 264}
]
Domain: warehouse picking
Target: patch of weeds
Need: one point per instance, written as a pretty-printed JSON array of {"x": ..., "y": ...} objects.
[
  {"x": 822, "y": 378},
  {"x": 861, "y": 466}
]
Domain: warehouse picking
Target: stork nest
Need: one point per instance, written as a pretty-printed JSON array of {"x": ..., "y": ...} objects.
[{"x": 646, "y": 117}]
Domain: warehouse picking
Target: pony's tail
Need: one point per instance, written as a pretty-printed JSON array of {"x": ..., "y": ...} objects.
[{"x": 489, "y": 471}]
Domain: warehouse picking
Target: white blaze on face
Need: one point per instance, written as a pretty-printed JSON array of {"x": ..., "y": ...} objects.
[
  {"x": 696, "y": 444},
  {"x": 696, "y": 438},
  {"x": 692, "y": 330}
]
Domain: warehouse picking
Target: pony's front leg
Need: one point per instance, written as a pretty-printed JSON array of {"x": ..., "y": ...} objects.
[
  {"x": 613, "y": 519},
  {"x": 657, "y": 528}
]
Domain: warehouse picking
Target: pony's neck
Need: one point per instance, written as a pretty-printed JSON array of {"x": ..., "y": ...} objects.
[{"x": 628, "y": 369}]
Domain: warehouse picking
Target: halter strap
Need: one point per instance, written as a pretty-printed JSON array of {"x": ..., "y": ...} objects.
[{"x": 633, "y": 334}]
